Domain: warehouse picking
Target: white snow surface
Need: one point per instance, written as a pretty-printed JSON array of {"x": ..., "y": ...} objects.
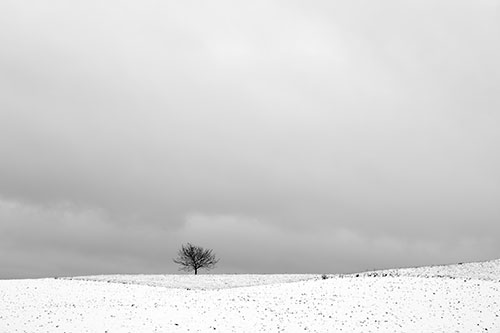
[
  {"x": 486, "y": 270},
  {"x": 202, "y": 281},
  {"x": 454, "y": 298}
]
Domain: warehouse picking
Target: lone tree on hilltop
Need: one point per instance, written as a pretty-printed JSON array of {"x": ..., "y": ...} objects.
[{"x": 192, "y": 258}]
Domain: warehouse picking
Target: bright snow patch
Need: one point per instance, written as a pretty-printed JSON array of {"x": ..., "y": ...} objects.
[
  {"x": 459, "y": 298},
  {"x": 202, "y": 281},
  {"x": 486, "y": 270}
]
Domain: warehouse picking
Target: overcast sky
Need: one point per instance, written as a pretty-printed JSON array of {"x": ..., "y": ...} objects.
[{"x": 289, "y": 136}]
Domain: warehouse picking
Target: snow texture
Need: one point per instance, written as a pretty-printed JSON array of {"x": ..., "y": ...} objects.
[
  {"x": 202, "y": 282},
  {"x": 455, "y": 298}
]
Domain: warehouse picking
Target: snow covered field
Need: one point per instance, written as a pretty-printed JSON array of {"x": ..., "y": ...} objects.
[
  {"x": 456, "y": 298},
  {"x": 202, "y": 282}
]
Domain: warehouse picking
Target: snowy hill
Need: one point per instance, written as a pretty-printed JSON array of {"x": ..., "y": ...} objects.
[
  {"x": 202, "y": 281},
  {"x": 486, "y": 270},
  {"x": 454, "y": 298}
]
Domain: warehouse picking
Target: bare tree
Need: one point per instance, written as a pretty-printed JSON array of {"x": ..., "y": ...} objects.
[{"x": 192, "y": 258}]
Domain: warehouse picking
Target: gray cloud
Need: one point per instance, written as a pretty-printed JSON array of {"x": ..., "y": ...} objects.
[
  {"x": 146, "y": 124},
  {"x": 65, "y": 240}
]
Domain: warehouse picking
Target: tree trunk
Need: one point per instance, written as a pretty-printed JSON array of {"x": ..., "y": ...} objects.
[{"x": 195, "y": 271}]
